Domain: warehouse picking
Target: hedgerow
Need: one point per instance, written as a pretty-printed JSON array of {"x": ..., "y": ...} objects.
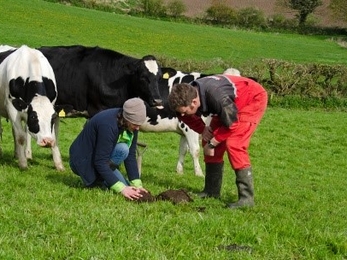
[
  {"x": 301, "y": 85},
  {"x": 289, "y": 84}
]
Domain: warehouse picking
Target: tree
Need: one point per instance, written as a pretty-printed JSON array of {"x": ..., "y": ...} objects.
[
  {"x": 176, "y": 8},
  {"x": 154, "y": 8},
  {"x": 220, "y": 13},
  {"x": 339, "y": 8},
  {"x": 251, "y": 17},
  {"x": 304, "y": 7}
]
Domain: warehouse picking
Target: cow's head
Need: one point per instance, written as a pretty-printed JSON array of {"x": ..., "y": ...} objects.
[
  {"x": 35, "y": 99},
  {"x": 41, "y": 121},
  {"x": 146, "y": 80}
]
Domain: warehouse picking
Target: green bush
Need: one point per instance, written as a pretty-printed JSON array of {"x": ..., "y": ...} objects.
[
  {"x": 251, "y": 18},
  {"x": 176, "y": 8},
  {"x": 154, "y": 8},
  {"x": 221, "y": 14},
  {"x": 279, "y": 21}
]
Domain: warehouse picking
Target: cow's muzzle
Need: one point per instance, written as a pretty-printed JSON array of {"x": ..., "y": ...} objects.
[
  {"x": 47, "y": 142},
  {"x": 157, "y": 102}
]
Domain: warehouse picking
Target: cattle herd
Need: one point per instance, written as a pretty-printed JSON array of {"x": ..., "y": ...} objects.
[{"x": 37, "y": 85}]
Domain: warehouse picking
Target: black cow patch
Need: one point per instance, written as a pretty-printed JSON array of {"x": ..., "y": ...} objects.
[
  {"x": 25, "y": 91},
  {"x": 17, "y": 87},
  {"x": 33, "y": 121},
  {"x": 19, "y": 104},
  {"x": 183, "y": 126},
  {"x": 5, "y": 54}
]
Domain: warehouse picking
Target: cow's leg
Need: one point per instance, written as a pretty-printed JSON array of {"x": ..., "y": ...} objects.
[
  {"x": 0, "y": 136},
  {"x": 192, "y": 138},
  {"x": 14, "y": 143},
  {"x": 182, "y": 153},
  {"x": 139, "y": 154},
  {"x": 58, "y": 162},
  {"x": 139, "y": 161},
  {"x": 28, "y": 152},
  {"x": 20, "y": 141}
]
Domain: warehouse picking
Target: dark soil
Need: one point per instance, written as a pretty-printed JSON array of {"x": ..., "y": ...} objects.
[
  {"x": 146, "y": 197},
  {"x": 175, "y": 196}
]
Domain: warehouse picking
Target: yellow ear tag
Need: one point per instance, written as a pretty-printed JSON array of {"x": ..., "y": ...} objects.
[
  {"x": 62, "y": 113},
  {"x": 166, "y": 75}
]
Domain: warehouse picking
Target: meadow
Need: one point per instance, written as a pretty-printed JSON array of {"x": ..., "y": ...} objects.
[{"x": 297, "y": 155}]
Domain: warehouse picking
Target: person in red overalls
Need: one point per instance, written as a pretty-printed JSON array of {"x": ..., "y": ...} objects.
[{"x": 237, "y": 105}]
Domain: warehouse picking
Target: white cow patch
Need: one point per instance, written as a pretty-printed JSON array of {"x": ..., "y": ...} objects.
[
  {"x": 164, "y": 125},
  {"x": 152, "y": 66},
  {"x": 232, "y": 71},
  {"x": 44, "y": 109}
]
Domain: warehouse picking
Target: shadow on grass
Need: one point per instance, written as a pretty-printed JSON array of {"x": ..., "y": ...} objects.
[
  {"x": 8, "y": 159},
  {"x": 173, "y": 181},
  {"x": 68, "y": 178},
  {"x": 39, "y": 160}
]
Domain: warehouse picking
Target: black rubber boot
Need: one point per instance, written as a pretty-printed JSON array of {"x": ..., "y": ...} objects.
[
  {"x": 244, "y": 183},
  {"x": 213, "y": 180}
]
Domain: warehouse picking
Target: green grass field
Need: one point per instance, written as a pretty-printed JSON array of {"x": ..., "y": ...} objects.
[
  {"x": 299, "y": 167},
  {"x": 38, "y": 23},
  {"x": 298, "y": 159}
]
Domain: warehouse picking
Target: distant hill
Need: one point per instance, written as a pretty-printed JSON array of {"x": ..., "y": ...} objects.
[{"x": 324, "y": 16}]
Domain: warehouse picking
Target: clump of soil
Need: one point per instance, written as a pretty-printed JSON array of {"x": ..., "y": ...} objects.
[
  {"x": 175, "y": 196},
  {"x": 146, "y": 197}
]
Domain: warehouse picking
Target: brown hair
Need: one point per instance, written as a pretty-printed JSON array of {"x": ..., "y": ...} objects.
[
  {"x": 181, "y": 95},
  {"x": 123, "y": 124}
]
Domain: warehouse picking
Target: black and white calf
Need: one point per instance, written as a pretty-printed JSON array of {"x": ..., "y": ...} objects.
[
  {"x": 27, "y": 94},
  {"x": 162, "y": 119}
]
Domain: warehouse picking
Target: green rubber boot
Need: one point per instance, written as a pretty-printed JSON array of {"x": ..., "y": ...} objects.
[{"x": 244, "y": 183}]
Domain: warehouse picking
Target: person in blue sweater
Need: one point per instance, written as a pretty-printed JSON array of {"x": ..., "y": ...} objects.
[{"x": 108, "y": 139}]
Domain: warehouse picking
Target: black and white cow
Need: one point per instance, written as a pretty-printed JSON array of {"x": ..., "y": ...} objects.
[
  {"x": 27, "y": 94},
  {"x": 91, "y": 79},
  {"x": 5, "y": 50},
  {"x": 162, "y": 119}
]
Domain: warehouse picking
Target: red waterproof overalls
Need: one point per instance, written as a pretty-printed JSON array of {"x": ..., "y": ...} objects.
[{"x": 251, "y": 102}]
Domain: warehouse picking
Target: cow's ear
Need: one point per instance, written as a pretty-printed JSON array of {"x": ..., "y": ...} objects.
[
  {"x": 168, "y": 72},
  {"x": 19, "y": 104},
  {"x": 64, "y": 110},
  {"x": 58, "y": 108}
]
